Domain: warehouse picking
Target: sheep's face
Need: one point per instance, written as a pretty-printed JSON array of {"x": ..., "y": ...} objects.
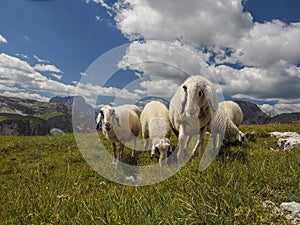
[
  {"x": 242, "y": 139},
  {"x": 107, "y": 114},
  {"x": 162, "y": 147},
  {"x": 194, "y": 97},
  {"x": 239, "y": 140}
]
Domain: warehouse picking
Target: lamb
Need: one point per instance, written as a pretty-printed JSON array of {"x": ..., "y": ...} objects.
[
  {"x": 223, "y": 122},
  {"x": 120, "y": 124},
  {"x": 233, "y": 111},
  {"x": 156, "y": 126},
  {"x": 225, "y": 125},
  {"x": 192, "y": 109}
]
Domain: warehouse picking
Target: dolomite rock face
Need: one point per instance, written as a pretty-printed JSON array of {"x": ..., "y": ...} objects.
[{"x": 29, "y": 117}]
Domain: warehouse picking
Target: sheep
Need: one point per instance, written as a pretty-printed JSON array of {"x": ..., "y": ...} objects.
[
  {"x": 120, "y": 124},
  {"x": 224, "y": 127},
  {"x": 156, "y": 126},
  {"x": 223, "y": 122},
  {"x": 191, "y": 111},
  {"x": 233, "y": 111}
]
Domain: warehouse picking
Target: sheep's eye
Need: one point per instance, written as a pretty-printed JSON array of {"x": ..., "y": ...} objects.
[
  {"x": 184, "y": 88},
  {"x": 200, "y": 93}
]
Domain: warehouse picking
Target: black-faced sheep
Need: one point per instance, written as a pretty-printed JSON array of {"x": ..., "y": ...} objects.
[{"x": 120, "y": 124}]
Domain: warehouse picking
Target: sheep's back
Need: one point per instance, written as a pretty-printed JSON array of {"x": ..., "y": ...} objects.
[
  {"x": 129, "y": 125},
  {"x": 233, "y": 111},
  {"x": 175, "y": 111},
  {"x": 159, "y": 127},
  {"x": 155, "y": 120}
]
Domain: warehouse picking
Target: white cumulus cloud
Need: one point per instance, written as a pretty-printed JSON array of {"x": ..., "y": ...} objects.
[
  {"x": 47, "y": 68},
  {"x": 3, "y": 39},
  {"x": 218, "y": 35},
  {"x": 18, "y": 76}
]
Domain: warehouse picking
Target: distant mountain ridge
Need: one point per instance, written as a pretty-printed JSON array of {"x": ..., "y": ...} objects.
[
  {"x": 30, "y": 117},
  {"x": 254, "y": 115}
]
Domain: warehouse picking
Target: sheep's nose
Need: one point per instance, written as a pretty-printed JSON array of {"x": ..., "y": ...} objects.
[{"x": 107, "y": 125}]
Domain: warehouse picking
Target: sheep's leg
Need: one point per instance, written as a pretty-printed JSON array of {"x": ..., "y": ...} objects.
[
  {"x": 115, "y": 152},
  {"x": 196, "y": 146},
  {"x": 134, "y": 146},
  {"x": 215, "y": 140},
  {"x": 121, "y": 148},
  {"x": 146, "y": 144},
  {"x": 187, "y": 142},
  {"x": 182, "y": 138},
  {"x": 201, "y": 141},
  {"x": 162, "y": 158}
]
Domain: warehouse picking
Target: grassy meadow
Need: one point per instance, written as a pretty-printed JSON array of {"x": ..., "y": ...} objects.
[{"x": 45, "y": 180}]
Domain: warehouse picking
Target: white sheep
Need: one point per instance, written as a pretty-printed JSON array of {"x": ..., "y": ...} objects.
[
  {"x": 120, "y": 124},
  {"x": 223, "y": 122},
  {"x": 156, "y": 126},
  {"x": 192, "y": 109},
  {"x": 234, "y": 112},
  {"x": 224, "y": 127}
]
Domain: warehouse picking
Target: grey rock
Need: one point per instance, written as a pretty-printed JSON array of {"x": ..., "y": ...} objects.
[{"x": 56, "y": 131}]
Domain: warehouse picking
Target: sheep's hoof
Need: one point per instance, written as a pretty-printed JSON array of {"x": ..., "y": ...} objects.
[{"x": 115, "y": 161}]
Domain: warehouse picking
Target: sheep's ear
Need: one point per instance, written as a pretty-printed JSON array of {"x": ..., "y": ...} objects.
[
  {"x": 101, "y": 113},
  {"x": 212, "y": 98},
  {"x": 183, "y": 97}
]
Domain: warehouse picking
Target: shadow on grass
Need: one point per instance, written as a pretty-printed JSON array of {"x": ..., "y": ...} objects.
[{"x": 233, "y": 153}]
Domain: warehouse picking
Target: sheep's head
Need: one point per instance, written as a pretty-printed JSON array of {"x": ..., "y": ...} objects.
[
  {"x": 196, "y": 93},
  {"x": 238, "y": 140},
  {"x": 162, "y": 147},
  {"x": 242, "y": 139},
  {"x": 107, "y": 115}
]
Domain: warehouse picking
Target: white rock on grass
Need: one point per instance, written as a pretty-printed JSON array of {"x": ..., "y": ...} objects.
[
  {"x": 291, "y": 210},
  {"x": 294, "y": 211},
  {"x": 56, "y": 131},
  {"x": 286, "y": 140},
  {"x": 293, "y": 207}
]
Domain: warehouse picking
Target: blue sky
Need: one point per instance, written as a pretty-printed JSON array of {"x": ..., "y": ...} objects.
[{"x": 46, "y": 46}]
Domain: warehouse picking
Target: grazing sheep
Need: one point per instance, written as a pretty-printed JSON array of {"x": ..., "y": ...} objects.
[
  {"x": 156, "y": 126},
  {"x": 192, "y": 109},
  {"x": 224, "y": 127},
  {"x": 120, "y": 124},
  {"x": 234, "y": 112},
  {"x": 222, "y": 121}
]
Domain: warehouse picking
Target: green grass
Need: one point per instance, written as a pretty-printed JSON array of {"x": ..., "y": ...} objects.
[
  {"x": 19, "y": 117},
  {"x": 47, "y": 116},
  {"x": 45, "y": 180}
]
